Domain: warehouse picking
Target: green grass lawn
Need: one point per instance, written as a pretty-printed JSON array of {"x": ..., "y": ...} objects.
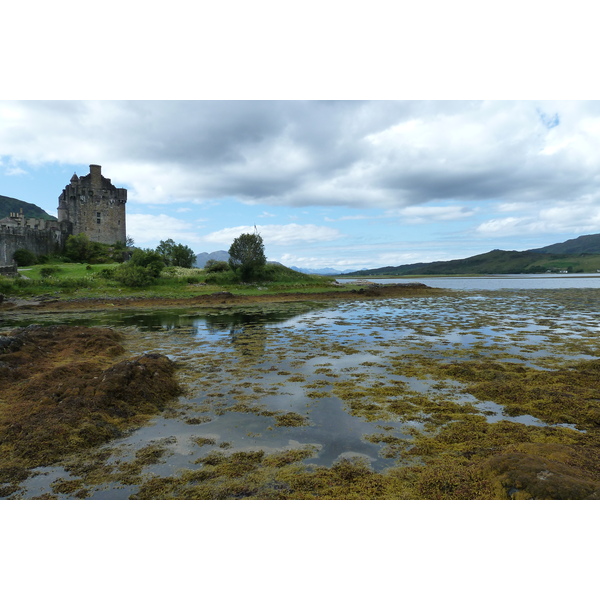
[{"x": 76, "y": 280}]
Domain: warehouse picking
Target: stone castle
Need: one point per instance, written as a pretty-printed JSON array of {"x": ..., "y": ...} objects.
[{"x": 90, "y": 204}]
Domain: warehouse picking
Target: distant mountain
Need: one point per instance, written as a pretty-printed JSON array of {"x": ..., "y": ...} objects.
[
  {"x": 316, "y": 271},
  {"x": 31, "y": 211},
  {"x": 326, "y": 271},
  {"x": 581, "y": 255},
  {"x": 584, "y": 244},
  {"x": 204, "y": 257}
]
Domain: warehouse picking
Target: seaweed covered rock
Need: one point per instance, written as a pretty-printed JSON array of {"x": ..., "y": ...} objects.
[
  {"x": 559, "y": 475},
  {"x": 146, "y": 382},
  {"x": 65, "y": 392}
]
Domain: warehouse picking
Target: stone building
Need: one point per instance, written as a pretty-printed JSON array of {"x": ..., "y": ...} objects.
[
  {"x": 90, "y": 204},
  {"x": 41, "y": 236},
  {"x": 94, "y": 206}
]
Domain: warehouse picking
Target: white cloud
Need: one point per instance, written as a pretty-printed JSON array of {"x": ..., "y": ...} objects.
[
  {"x": 503, "y": 227},
  {"x": 15, "y": 171},
  {"x": 427, "y": 214},
  {"x": 279, "y": 235},
  {"x": 516, "y": 168},
  {"x": 386, "y": 259},
  {"x": 320, "y": 262},
  {"x": 11, "y": 168},
  {"x": 144, "y": 229},
  {"x": 356, "y": 154},
  {"x": 350, "y": 218},
  {"x": 560, "y": 217}
]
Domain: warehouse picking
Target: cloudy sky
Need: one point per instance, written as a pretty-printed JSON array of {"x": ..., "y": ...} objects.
[{"x": 341, "y": 184}]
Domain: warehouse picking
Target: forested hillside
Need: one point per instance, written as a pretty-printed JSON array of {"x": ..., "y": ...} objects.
[
  {"x": 580, "y": 255},
  {"x": 12, "y": 205}
]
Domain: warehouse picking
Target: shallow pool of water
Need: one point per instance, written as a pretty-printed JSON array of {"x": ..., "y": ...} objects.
[{"x": 328, "y": 366}]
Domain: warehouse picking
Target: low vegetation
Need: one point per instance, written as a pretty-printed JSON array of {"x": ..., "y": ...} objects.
[
  {"x": 93, "y": 270},
  {"x": 144, "y": 276},
  {"x": 491, "y": 418},
  {"x": 66, "y": 389}
]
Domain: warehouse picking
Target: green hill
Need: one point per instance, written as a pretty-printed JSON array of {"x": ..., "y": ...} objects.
[
  {"x": 584, "y": 244},
  {"x": 580, "y": 255},
  {"x": 31, "y": 211}
]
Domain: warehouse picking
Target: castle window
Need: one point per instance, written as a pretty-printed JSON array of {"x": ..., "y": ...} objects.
[
  {"x": 98, "y": 221},
  {"x": 98, "y": 214}
]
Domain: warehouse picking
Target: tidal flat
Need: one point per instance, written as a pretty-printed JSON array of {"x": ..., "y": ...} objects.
[{"x": 462, "y": 395}]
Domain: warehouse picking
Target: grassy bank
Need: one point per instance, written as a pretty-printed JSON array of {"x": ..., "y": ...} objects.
[{"x": 75, "y": 280}]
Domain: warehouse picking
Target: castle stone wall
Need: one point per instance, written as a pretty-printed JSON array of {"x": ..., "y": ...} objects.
[
  {"x": 95, "y": 207},
  {"x": 39, "y": 241},
  {"x": 90, "y": 204}
]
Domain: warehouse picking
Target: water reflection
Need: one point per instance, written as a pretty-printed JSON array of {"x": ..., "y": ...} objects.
[
  {"x": 244, "y": 368},
  {"x": 497, "y": 282}
]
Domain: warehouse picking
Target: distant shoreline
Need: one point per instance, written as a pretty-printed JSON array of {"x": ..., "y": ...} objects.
[{"x": 216, "y": 300}]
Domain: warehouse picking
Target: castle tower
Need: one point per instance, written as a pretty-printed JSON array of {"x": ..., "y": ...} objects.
[{"x": 94, "y": 206}]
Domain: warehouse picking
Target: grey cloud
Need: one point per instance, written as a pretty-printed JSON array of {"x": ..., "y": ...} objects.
[{"x": 322, "y": 153}]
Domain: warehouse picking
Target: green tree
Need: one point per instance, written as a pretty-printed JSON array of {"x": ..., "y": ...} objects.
[
  {"x": 176, "y": 255},
  {"x": 247, "y": 255},
  {"x": 24, "y": 257},
  {"x": 147, "y": 259},
  {"x": 216, "y": 266},
  {"x": 142, "y": 269},
  {"x": 183, "y": 256},
  {"x": 165, "y": 249},
  {"x": 79, "y": 248}
]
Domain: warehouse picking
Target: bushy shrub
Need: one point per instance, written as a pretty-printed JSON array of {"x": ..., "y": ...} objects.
[
  {"x": 105, "y": 273},
  {"x": 75, "y": 283},
  {"x": 24, "y": 257},
  {"x": 79, "y": 248},
  {"x": 228, "y": 277},
  {"x": 149, "y": 259},
  {"x": 49, "y": 271},
  {"x": 216, "y": 266},
  {"x": 6, "y": 285},
  {"x": 194, "y": 279},
  {"x": 22, "y": 283},
  {"x": 133, "y": 275}
]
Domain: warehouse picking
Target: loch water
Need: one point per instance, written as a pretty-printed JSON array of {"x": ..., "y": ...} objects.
[{"x": 242, "y": 366}]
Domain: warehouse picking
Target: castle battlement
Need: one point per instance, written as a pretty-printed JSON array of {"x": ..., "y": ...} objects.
[
  {"x": 90, "y": 204},
  {"x": 18, "y": 221},
  {"x": 95, "y": 207}
]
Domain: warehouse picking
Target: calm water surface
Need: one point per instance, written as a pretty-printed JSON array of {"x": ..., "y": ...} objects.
[
  {"x": 293, "y": 360},
  {"x": 499, "y": 282}
]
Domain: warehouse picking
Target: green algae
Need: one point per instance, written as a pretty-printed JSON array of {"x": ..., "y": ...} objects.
[
  {"x": 452, "y": 387},
  {"x": 203, "y": 441},
  {"x": 290, "y": 420}
]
